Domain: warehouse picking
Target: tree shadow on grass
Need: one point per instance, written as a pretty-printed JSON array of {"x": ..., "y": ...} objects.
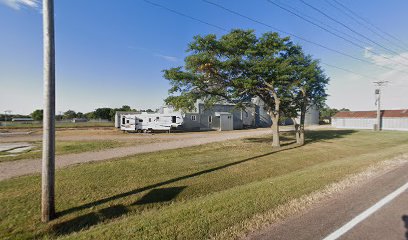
[
  {"x": 288, "y": 138},
  {"x": 285, "y": 139},
  {"x": 156, "y": 185},
  {"x": 90, "y": 219},
  {"x": 87, "y": 220},
  {"x": 325, "y": 135},
  {"x": 160, "y": 195}
]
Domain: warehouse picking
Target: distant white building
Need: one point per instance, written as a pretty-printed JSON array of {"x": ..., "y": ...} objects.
[
  {"x": 22, "y": 119},
  {"x": 390, "y": 119},
  {"x": 225, "y": 116}
]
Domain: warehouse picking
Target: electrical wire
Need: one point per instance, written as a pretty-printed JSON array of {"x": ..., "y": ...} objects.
[
  {"x": 401, "y": 43},
  {"x": 349, "y": 28},
  {"x": 334, "y": 34}
]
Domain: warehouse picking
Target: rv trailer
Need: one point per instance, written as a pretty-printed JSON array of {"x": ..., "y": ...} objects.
[{"x": 149, "y": 122}]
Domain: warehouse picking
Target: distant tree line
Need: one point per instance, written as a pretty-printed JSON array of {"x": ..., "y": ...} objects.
[
  {"x": 326, "y": 113},
  {"x": 99, "y": 113},
  {"x": 8, "y": 117}
]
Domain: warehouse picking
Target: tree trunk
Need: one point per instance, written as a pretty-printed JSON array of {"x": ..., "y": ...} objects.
[
  {"x": 301, "y": 129},
  {"x": 297, "y": 130},
  {"x": 301, "y": 132},
  {"x": 275, "y": 130}
]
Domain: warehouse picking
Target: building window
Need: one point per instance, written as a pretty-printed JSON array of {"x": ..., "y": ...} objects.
[
  {"x": 210, "y": 119},
  {"x": 193, "y": 118}
]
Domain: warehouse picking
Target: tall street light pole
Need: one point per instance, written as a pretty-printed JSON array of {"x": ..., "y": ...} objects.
[{"x": 48, "y": 154}]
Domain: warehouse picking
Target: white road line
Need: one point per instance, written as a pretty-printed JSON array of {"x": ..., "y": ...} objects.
[{"x": 345, "y": 228}]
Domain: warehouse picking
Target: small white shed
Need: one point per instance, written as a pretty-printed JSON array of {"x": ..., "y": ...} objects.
[{"x": 226, "y": 121}]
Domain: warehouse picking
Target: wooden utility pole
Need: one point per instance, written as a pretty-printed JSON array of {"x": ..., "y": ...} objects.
[
  {"x": 378, "y": 103},
  {"x": 48, "y": 155}
]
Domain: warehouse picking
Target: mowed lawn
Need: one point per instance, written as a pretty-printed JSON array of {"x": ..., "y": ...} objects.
[{"x": 190, "y": 193}]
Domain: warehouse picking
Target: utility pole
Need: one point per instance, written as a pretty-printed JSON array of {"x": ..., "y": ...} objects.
[
  {"x": 379, "y": 84},
  {"x": 48, "y": 154}
]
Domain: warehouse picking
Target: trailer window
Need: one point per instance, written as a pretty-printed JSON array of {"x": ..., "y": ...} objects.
[
  {"x": 210, "y": 119},
  {"x": 140, "y": 120},
  {"x": 150, "y": 119},
  {"x": 193, "y": 118},
  {"x": 127, "y": 121},
  {"x": 157, "y": 118},
  {"x": 123, "y": 120},
  {"x": 173, "y": 119}
]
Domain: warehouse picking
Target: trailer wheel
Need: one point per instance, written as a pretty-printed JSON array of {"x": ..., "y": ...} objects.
[
  {"x": 145, "y": 131},
  {"x": 138, "y": 130}
]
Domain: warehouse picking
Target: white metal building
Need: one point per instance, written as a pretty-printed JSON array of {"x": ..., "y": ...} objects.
[{"x": 390, "y": 120}]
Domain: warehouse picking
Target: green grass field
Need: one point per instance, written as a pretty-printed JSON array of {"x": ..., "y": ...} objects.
[
  {"x": 190, "y": 193},
  {"x": 64, "y": 147}
]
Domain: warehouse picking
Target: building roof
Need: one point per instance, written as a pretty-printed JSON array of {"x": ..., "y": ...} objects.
[
  {"x": 22, "y": 119},
  {"x": 402, "y": 113}
]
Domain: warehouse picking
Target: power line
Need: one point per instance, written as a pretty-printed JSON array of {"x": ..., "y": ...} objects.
[
  {"x": 349, "y": 28},
  {"x": 320, "y": 22},
  {"x": 267, "y": 25},
  {"x": 369, "y": 23},
  {"x": 362, "y": 24},
  {"x": 299, "y": 37},
  {"x": 185, "y": 15},
  {"x": 333, "y": 33},
  {"x": 348, "y": 70}
]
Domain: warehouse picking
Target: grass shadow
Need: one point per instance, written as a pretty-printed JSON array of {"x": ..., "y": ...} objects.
[
  {"x": 325, "y": 135},
  {"x": 88, "y": 220},
  {"x": 160, "y": 195},
  {"x": 156, "y": 185},
  {"x": 288, "y": 138}
]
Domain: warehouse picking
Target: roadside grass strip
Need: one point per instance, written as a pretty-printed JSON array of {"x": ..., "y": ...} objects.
[{"x": 190, "y": 193}]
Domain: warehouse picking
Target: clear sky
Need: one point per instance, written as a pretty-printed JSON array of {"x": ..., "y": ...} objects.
[{"x": 112, "y": 53}]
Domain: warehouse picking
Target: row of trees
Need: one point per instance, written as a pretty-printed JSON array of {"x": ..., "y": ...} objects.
[
  {"x": 326, "y": 113},
  {"x": 239, "y": 66},
  {"x": 99, "y": 113}
]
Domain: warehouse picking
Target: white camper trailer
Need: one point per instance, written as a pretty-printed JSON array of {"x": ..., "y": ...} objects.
[{"x": 146, "y": 122}]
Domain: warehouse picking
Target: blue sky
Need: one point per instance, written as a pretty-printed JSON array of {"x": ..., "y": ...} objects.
[{"x": 112, "y": 53}]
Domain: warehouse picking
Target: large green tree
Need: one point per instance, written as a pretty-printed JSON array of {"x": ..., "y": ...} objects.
[
  {"x": 308, "y": 90},
  {"x": 236, "y": 67}
]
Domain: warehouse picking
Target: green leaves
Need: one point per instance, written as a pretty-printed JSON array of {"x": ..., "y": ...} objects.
[{"x": 239, "y": 65}]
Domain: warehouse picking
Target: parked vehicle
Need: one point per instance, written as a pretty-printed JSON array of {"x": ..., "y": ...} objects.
[{"x": 146, "y": 122}]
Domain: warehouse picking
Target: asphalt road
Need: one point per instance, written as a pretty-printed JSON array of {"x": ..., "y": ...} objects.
[{"x": 388, "y": 222}]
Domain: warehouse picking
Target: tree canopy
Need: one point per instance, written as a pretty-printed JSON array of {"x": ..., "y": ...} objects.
[{"x": 239, "y": 66}]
